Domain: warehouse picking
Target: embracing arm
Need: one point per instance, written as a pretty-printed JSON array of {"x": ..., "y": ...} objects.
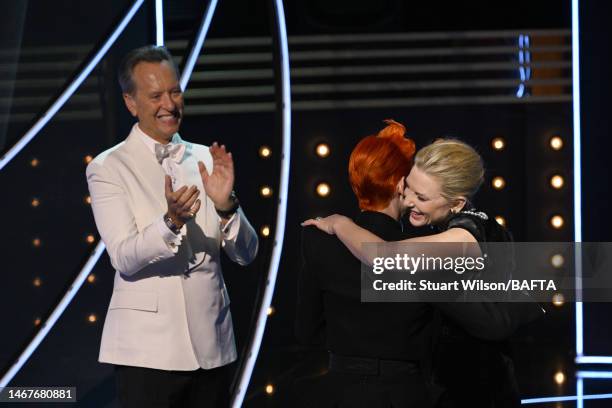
[
  {"x": 491, "y": 320},
  {"x": 353, "y": 236}
]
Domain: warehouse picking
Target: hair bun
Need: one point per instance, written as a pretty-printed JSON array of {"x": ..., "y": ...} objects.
[
  {"x": 395, "y": 132},
  {"x": 392, "y": 130}
]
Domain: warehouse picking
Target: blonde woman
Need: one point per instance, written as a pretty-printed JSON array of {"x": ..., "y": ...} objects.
[{"x": 438, "y": 192}]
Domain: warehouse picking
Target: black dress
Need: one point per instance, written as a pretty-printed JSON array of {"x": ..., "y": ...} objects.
[{"x": 476, "y": 373}]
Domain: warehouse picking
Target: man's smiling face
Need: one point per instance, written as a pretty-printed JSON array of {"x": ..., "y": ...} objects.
[{"x": 157, "y": 99}]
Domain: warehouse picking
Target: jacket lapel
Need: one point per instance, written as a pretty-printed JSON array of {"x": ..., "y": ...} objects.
[
  {"x": 191, "y": 175},
  {"x": 143, "y": 162}
]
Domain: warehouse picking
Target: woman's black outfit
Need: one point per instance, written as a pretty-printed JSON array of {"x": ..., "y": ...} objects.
[
  {"x": 375, "y": 348},
  {"x": 476, "y": 373},
  {"x": 380, "y": 353}
]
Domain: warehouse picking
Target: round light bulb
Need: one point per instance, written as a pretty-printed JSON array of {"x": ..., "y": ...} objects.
[
  {"x": 270, "y": 311},
  {"x": 322, "y": 150},
  {"x": 87, "y": 199},
  {"x": 500, "y": 220},
  {"x": 265, "y": 152},
  {"x": 37, "y": 282},
  {"x": 498, "y": 183},
  {"x": 91, "y": 278},
  {"x": 556, "y": 143},
  {"x": 557, "y": 181},
  {"x": 266, "y": 191},
  {"x": 323, "y": 189},
  {"x": 556, "y": 221},
  {"x": 498, "y": 143},
  {"x": 557, "y": 261},
  {"x": 35, "y": 202},
  {"x": 90, "y": 239},
  {"x": 559, "y": 377},
  {"x": 269, "y": 389},
  {"x": 88, "y": 159},
  {"x": 34, "y": 162},
  {"x": 36, "y": 242},
  {"x": 92, "y": 318},
  {"x": 558, "y": 299},
  {"x": 265, "y": 231},
  {"x": 37, "y": 321}
]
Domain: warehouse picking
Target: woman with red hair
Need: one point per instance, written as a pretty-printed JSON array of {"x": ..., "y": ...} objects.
[
  {"x": 374, "y": 348},
  {"x": 378, "y": 165}
]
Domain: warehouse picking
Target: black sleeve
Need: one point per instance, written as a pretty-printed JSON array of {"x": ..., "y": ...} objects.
[
  {"x": 310, "y": 320},
  {"x": 485, "y": 320},
  {"x": 490, "y": 320},
  {"x": 468, "y": 223}
]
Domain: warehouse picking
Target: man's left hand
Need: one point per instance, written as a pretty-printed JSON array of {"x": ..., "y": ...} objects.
[{"x": 220, "y": 183}]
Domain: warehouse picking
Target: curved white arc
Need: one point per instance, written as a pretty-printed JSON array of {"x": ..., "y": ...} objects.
[
  {"x": 71, "y": 89},
  {"x": 55, "y": 315},
  {"x": 197, "y": 46},
  {"x": 251, "y": 356},
  {"x": 159, "y": 23},
  {"x": 577, "y": 176}
]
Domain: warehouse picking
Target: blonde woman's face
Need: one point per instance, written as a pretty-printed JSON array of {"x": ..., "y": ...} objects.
[{"x": 423, "y": 199}]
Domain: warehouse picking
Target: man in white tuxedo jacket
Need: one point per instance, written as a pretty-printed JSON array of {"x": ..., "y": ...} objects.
[{"x": 165, "y": 208}]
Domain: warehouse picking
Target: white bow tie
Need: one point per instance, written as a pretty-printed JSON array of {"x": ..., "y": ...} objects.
[{"x": 174, "y": 151}]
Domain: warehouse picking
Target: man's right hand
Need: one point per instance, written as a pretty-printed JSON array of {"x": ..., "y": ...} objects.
[{"x": 183, "y": 204}]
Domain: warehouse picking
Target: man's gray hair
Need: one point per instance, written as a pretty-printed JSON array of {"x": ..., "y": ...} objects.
[{"x": 148, "y": 53}]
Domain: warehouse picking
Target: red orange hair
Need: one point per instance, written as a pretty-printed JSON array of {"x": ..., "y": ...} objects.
[{"x": 378, "y": 163}]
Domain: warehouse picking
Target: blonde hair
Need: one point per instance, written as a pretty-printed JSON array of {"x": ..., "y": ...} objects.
[{"x": 455, "y": 164}]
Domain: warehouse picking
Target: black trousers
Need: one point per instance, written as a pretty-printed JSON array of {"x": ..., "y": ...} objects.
[
  {"x": 139, "y": 387},
  {"x": 360, "y": 382}
]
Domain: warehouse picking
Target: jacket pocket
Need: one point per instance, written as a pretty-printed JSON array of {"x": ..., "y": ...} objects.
[{"x": 127, "y": 299}]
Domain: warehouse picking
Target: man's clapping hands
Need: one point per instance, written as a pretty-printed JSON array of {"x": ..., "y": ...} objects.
[{"x": 183, "y": 204}]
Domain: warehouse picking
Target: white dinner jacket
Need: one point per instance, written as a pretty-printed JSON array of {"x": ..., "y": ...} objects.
[{"x": 170, "y": 308}]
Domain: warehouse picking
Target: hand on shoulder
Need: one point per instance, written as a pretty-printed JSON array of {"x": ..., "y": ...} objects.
[{"x": 327, "y": 224}]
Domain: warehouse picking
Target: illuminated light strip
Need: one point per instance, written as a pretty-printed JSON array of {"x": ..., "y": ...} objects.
[
  {"x": 579, "y": 398},
  {"x": 594, "y": 374},
  {"x": 580, "y": 393},
  {"x": 526, "y": 42},
  {"x": 524, "y": 57},
  {"x": 159, "y": 22},
  {"x": 577, "y": 180},
  {"x": 197, "y": 46},
  {"x": 71, "y": 89},
  {"x": 55, "y": 315},
  {"x": 521, "y": 57},
  {"x": 594, "y": 359},
  {"x": 253, "y": 351}
]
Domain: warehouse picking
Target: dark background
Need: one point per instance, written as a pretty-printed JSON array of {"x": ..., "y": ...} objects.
[{"x": 95, "y": 119}]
